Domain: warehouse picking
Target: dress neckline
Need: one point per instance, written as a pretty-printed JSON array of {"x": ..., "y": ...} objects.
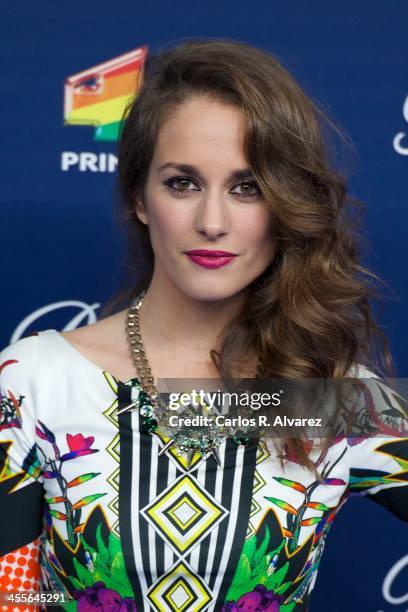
[{"x": 90, "y": 363}]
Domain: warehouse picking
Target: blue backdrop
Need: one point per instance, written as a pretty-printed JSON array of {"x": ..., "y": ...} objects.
[{"x": 62, "y": 254}]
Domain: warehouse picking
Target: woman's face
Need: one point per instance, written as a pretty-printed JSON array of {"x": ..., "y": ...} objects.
[{"x": 200, "y": 195}]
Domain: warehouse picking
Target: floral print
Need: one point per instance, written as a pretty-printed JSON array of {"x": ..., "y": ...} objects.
[{"x": 113, "y": 526}]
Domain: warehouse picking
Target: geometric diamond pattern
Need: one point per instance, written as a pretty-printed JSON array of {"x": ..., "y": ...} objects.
[
  {"x": 258, "y": 482},
  {"x": 250, "y": 531},
  {"x": 184, "y": 513},
  {"x": 179, "y": 590},
  {"x": 113, "y": 479},
  {"x": 255, "y": 507},
  {"x": 262, "y": 452},
  {"x": 113, "y": 448},
  {"x": 111, "y": 412},
  {"x": 114, "y": 505}
]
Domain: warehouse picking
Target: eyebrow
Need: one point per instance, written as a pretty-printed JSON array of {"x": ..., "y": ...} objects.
[{"x": 245, "y": 173}]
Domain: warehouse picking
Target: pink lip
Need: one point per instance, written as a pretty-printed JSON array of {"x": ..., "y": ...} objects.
[
  {"x": 206, "y": 253},
  {"x": 210, "y": 259}
]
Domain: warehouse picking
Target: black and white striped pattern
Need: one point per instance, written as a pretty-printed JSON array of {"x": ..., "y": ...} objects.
[{"x": 144, "y": 475}]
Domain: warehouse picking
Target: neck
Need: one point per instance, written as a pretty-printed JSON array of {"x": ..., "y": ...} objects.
[{"x": 169, "y": 317}]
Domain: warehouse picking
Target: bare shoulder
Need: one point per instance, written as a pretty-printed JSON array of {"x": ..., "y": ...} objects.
[
  {"x": 104, "y": 335},
  {"x": 105, "y": 344}
]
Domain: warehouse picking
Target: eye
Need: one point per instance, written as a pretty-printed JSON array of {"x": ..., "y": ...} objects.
[
  {"x": 179, "y": 185},
  {"x": 251, "y": 190},
  {"x": 182, "y": 182}
]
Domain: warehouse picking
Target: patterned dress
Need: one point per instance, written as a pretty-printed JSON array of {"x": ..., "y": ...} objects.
[{"x": 90, "y": 511}]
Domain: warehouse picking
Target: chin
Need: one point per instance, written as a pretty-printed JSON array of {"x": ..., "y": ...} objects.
[{"x": 211, "y": 292}]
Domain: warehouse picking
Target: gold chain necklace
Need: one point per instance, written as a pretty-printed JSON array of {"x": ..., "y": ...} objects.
[{"x": 155, "y": 411}]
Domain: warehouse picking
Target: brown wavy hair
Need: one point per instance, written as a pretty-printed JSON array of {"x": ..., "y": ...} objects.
[{"x": 309, "y": 314}]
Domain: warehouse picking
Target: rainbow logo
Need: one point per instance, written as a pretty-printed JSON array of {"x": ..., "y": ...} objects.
[{"x": 98, "y": 96}]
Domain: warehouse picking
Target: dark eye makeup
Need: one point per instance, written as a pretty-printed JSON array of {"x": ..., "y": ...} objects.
[{"x": 171, "y": 183}]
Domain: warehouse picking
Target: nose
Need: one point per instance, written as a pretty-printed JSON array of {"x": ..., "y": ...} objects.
[{"x": 212, "y": 217}]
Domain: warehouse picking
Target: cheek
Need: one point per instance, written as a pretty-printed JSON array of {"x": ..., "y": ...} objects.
[
  {"x": 258, "y": 227},
  {"x": 167, "y": 223}
]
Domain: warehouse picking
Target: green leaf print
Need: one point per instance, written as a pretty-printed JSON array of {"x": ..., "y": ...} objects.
[
  {"x": 70, "y": 606},
  {"x": 114, "y": 544},
  {"x": 84, "y": 575},
  {"x": 287, "y": 607},
  {"x": 275, "y": 579},
  {"x": 118, "y": 564},
  {"x": 260, "y": 553},
  {"x": 252, "y": 568},
  {"x": 75, "y": 582},
  {"x": 241, "y": 577},
  {"x": 103, "y": 551},
  {"x": 293, "y": 484},
  {"x": 107, "y": 566},
  {"x": 250, "y": 548},
  {"x": 88, "y": 499},
  {"x": 284, "y": 587},
  {"x": 282, "y": 504},
  {"x": 243, "y": 570}
]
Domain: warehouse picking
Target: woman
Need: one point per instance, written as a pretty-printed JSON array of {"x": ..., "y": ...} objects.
[{"x": 252, "y": 270}]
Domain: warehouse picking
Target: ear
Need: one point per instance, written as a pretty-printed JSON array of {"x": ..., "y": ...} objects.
[{"x": 141, "y": 211}]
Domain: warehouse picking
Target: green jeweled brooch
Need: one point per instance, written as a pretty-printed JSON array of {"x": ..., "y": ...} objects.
[{"x": 155, "y": 413}]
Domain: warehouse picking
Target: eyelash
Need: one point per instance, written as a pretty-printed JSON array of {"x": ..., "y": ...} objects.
[{"x": 178, "y": 192}]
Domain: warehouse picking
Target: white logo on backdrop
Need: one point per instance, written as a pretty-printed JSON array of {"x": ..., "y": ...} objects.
[
  {"x": 398, "y": 138},
  {"x": 394, "y": 572},
  {"x": 86, "y": 314},
  {"x": 86, "y": 161}
]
